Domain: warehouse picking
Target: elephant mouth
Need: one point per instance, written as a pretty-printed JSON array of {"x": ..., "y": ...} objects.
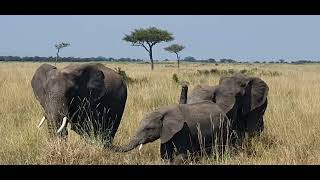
[{"x": 63, "y": 124}]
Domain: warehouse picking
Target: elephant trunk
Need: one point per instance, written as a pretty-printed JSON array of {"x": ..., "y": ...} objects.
[
  {"x": 132, "y": 144},
  {"x": 51, "y": 128},
  {"x": 57, "y": 128},
  {"x": 57, "y": 119}
]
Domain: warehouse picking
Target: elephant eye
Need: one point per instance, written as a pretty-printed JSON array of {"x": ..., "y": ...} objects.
[
  {"x": 242, "y": 84},
  {"x": 76, "y": 87},
  {"x": 149, "y": 129}
]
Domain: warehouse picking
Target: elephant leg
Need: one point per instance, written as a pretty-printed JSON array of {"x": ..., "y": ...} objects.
[
  {"x": 64, "y": 135},
  {"x": 180, "y": 159},
  {"x": 109, "y": 128},
  {"x": 183, "y": 144},
  {"x": 111, "y": 121},
  {"x": 166, "y": 151}
]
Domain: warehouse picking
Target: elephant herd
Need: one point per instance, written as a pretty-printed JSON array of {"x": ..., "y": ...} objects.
[{"x": 91, "y": 98}]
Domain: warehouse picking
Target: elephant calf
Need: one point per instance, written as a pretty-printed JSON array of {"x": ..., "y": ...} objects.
[
  {"x": 181, "y": 128},
  {"x": 240, "y": 96}
]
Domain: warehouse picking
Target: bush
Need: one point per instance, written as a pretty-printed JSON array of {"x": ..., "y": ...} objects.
[
  {"x": 243, "y": 71},
  {"x": 175, "y": 78},
  {"x": 250, "y": 72},
  {"x": 123, "y": 75},
  {"x": 270, "y": 73},
  {"x": 130, "y": 80},
  {"x": 214, "y": 71},
  {"x": 231, "y": 71}
]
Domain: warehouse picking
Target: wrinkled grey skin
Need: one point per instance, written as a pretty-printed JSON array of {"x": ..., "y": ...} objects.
[
  {"x": 91, "y": 96},
  {"x": 187, "y": 127},
  {"x": 253, "y": 103},
  {"x": 200, "y": 93},
  {"x": 251, "y": 98}
]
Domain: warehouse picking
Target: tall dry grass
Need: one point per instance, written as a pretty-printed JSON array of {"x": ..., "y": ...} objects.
[{"x": 291, "y": 133}]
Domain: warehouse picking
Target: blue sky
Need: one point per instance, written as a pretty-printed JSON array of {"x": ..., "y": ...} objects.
[{"x": 244, "y": 38}]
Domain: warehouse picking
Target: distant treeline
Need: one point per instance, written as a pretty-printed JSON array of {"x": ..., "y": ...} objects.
[
  {"x": 100, "y": 58},
  {"x": 304, "y": 62},
  {"x": 65, "y": 59}
]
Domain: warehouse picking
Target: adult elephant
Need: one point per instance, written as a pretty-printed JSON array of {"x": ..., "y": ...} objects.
[
  {"x": 228, "y": 98},
  {"x": 91, "y": 97},
  {"x": 251, "y": 93},
  {"x": 194, "y": 128},
  {"x": 253, "y": 103}
]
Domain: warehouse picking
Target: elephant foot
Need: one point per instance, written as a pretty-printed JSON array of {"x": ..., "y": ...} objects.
[{"x": 180, "y": 159}]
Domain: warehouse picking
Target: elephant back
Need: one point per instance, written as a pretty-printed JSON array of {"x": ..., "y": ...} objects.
[{"x": 201, "y": 93}]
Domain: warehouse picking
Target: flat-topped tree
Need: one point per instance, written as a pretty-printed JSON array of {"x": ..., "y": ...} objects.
[
  {"x": 147, "y": 38},
  {"x": 60, "y": 46},
  {"x": 175, "y": 48}
]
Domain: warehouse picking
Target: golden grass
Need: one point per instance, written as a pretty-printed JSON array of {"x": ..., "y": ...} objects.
[{"x": 291, "y": 133}]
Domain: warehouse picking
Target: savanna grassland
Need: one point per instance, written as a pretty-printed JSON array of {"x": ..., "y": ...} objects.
[{"x": 291, "y": 135}]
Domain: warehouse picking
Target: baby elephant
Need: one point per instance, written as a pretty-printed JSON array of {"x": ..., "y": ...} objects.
[{"x": 181, "y": 128}]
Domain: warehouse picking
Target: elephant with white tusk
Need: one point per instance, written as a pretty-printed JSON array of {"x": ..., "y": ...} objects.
[{"x": 90, "y": 97}]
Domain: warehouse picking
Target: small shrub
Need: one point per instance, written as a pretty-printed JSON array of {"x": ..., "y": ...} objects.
[
  {"x": 248, "y": 72},
  {"x": 169, "y": 65},
  {"x": 214, "y": 71},
  {"x": 223, "y": 72},
  {"x": 130, "y": 80},
  {"x": 275, "y": 73},
  {"x": 123, "y": 75},
  {"x": 270, "y": 73},
  {"x": 231, "y": 71},
  {"x": 175, "y": 78},
  {"x": 243, "y": 71}
]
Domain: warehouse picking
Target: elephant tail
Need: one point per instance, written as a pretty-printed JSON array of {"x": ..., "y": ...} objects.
[{"x": 184, "y": 93}]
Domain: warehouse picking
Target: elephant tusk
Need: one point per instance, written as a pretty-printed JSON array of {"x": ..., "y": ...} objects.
[
  {"x": 41, "y": 121},
  {"x": 64, "y": 122},
  {"x": 140, "y": 147}
]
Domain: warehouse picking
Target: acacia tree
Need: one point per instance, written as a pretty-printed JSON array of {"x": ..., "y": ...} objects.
[
  {"x": 60, "y": 46},
  {"x": 147, "y": 38},
  {"x": 175, "y": 48}
]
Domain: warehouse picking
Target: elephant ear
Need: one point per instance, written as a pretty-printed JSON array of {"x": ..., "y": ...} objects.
[
  {"x": 39, "y": 81},
  {"x": 173, "y": 122},
  {"x": 89, "y": 80},
  {"x": 257, "y": 92},
  {"x": 254, "y": 104},
  {"x": 95, "y": 82},
  {"x": 225, "y": 96}
]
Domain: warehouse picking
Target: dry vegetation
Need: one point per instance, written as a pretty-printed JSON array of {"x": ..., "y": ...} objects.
[{"x": 291, "y": 133}]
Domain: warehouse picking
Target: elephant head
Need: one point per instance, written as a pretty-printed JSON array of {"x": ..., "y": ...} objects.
[
  {"x": 163, "y": 123},
  {"x": 55, "y": 90},
  {"x": 228, "y": 98},
  {"x": 253, "y": 101}
]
